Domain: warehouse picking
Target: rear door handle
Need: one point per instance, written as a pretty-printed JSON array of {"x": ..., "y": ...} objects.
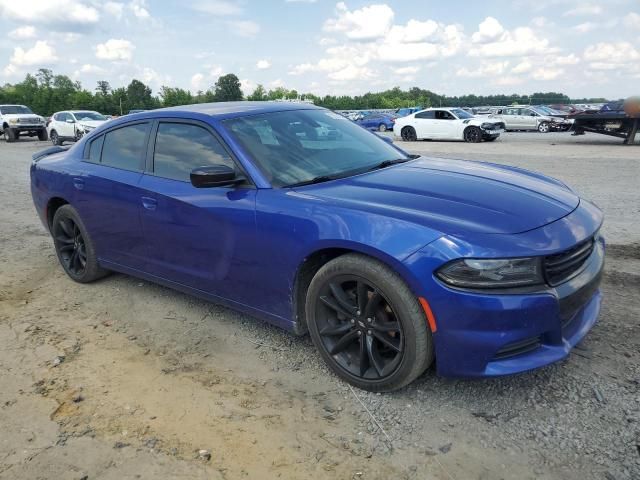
[
  {"x": 78, "y": 183},
  {"x": 149, "y": 203}
]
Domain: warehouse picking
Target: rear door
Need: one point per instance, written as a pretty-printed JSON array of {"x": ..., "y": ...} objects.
[
  {"x": 108, "y": 194},
  {"x": 424, "y": 124},
  {"x": 198, "y": 237}
]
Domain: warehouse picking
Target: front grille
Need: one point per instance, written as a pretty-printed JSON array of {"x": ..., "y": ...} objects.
[
  {"x": 517, "y": 348},
  {"x": 563, "y": 266}
]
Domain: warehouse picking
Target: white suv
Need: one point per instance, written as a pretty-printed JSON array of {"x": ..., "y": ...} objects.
[
  {"x": 71, "y": 125},
  {"x": 17, "y": 120}
]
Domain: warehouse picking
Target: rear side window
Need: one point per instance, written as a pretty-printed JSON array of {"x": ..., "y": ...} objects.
[
  {"x": 429, "y": 114},
  {"x": 125, "y": 147},
  {"x": 181, "y": 147},
  {"x": 95, "y": 149}
]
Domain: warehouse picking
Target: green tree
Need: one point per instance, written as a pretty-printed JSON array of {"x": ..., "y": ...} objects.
[
  {"x": 258, "y": 94},
  {"x": 175, "y": 96},
  {"x": 227, "y": 88},
  {"x": 138, "y": 95}
]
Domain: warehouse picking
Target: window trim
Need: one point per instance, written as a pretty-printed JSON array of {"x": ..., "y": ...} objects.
[
  {"x": 148, "y": 164},
  {"x": 141, "y": 161}
]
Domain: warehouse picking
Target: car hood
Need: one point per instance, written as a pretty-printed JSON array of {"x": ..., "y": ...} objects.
[
  {"x": 454, "y": 196},
  {"x": 23, "y": 117},
  {"x": 91, "y": 123}
]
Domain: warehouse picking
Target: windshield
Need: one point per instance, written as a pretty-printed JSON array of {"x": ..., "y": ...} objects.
[
  {"x": 86, "y": 116},
  {"x": 297, "y": 146},
  {"x": 461, "y": 114},
  {"x": 14, "y": 109}
]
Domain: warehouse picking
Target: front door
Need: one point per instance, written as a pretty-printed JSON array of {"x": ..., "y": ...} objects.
[{"x": 198, "y": 237}]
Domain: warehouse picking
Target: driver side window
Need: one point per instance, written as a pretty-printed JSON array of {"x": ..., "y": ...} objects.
[{"x": 181, "y": 147}]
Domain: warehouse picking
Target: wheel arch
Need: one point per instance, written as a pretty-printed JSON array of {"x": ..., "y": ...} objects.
[
  {"x": 314, "y": 260},
  {"x": 53, "y": 205}
]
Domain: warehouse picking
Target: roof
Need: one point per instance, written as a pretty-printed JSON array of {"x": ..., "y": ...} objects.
[{"x": 229, "y": 109}]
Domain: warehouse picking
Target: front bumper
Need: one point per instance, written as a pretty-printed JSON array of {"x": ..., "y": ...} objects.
[
  {"x": 27, "y": 128},
  {"x": 492, "y": 334}
]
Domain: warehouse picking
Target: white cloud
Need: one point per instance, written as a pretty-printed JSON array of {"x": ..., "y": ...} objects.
[
  {"x": 276, "y": 83},
  {"x": 155, "y": 79},
  {"x": 585, "y": 27},
  {"x": 632, "y": 20},
  {"x": 571, "y": 59},
  {"x": 114, "y": 8},
  {"x": 507, "y": 81},
  {"x": 523, "y": 67},
  {"x": 367, "y": 23},
  {"x": 610, "y": 56},
  {"x": 115, "y": 49},
  {"x": 489, "y": 30},
  {"x": 139, "y": 9},
  {"x": 197, "y": 82},
  {"x": 544, "y": 73},
  {"x": 91, "y": 69},
  {"x": 245, "y": 28},
  {"x": 23, "y": 33},
  {"x": 486, "y": 70},
  {"x": 407, "y": 70},
  {"x": 263, "y": 64},
  {"x": 9, "y": 70},
  {"x": 40, "y": 54},
  {"x": 583, "y": 10},
  {"x": 541, "y": 22},
  {"x": 301, "y": 1},
  {"x": 218, "y": 7},
  {"x": 56, "y": 13},
  {"x": 216, "y": 71},
  {"x": 520, "y": 41},
  {"x": 247, "y": 86}
]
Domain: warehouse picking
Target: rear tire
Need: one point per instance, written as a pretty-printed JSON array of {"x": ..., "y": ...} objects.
[
  {"x": 367, "y": 324},
  {"x": 74, "y": 247},
  {"x": 42, "y": 135},
  {"x": 55, "y": 139},
  {"x": 408, "y": 134}
]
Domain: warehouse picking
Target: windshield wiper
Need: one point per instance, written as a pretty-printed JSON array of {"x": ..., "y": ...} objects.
[
  {"x": 388, "y": 163},
  {"x": 319, "y": 179}
]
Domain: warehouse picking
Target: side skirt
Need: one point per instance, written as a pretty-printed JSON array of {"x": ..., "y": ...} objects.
[{"x": 276, "y": 320}]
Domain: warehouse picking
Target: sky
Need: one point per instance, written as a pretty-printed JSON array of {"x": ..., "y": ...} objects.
[{"x": 326, "y": 47}]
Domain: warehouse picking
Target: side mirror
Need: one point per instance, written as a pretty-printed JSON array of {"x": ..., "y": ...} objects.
[
  {"x": 70, "y": 120},
  {"x": 214, "y": 176}
]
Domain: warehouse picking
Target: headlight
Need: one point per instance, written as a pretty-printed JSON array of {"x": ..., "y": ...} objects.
[
  {"x": 492, "y": 273},
  {"x": 13, "y": 121},
  {"x": 487, "y": 126}
]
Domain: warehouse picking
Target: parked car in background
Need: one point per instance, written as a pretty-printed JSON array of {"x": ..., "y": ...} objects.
[
  {"x": 19, "y": 120},
  {"x": 389, "y": 260},
  {"x": 71, "y": 125},
  {"x": 447, "y": 124},
  {"x": 528, "y": 118},
  {"x": 377, "y": 121},
  {"x": 403, "y": 112}
]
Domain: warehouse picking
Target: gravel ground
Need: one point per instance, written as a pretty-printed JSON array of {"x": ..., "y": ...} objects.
[{"x": 122, "y": 378}]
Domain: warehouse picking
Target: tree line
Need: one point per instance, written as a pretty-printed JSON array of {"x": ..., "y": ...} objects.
[{"x": 45, "y": 93}]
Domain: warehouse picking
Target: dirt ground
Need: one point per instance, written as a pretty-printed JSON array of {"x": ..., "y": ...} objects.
[{"x": 122, "y": 379}]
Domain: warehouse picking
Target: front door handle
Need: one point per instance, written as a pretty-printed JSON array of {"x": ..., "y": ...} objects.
[
  {"x": 149, "y": 203},
  {"x": 78, "y": 183}
]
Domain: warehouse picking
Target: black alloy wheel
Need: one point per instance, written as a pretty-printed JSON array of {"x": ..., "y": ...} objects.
[
  {"x": 74, "y": 247},
  {"x": 70, "y": 245},
  {"x": 472, "y": 135},
  {"x": 359, "y": 328},
  {"x": 367, "y": 324},
  {"x": 408, "y": 134},
  {"x": 55, "y": 139}
]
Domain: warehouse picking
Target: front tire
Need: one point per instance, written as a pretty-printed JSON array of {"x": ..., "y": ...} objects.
[
  {"x": 544, "y": 127},
  {"x": 10, "y": 135},
  {"x": 42, "y": 135},
  {"x": 473, "y": 135},
  {"x": 382, "y": 127},
  {"x": 367, "y": 324},
  {"x": 408, "y": 134},
  {"x": 74, "y": 247}
]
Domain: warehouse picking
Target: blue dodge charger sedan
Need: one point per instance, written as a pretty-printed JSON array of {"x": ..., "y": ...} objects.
[{"x": 388, "y": 260}]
